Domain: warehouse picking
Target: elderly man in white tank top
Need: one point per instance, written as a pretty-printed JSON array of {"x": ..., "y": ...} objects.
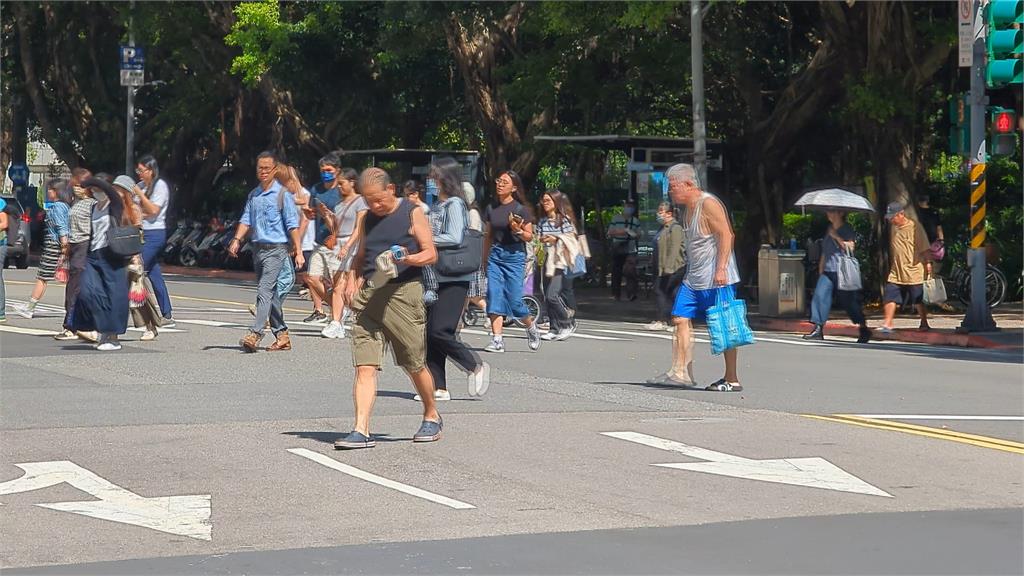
[{"x": 710, "y": 275}]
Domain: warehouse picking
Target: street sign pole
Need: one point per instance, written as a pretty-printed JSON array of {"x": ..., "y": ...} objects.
[
  {"x": 978, "y": 317},
  {"x": 700, "y": 150},
  {"x": 130, "y": 118}
]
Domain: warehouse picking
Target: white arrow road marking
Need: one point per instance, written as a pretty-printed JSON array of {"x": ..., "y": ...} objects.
[
  {"x": 379, "y": 480},
  {"x": 181, "y": 515},
  {"x": 810, "y": 472}
]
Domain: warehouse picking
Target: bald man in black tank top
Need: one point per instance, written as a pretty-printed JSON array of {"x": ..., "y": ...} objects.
[{"x": 390, "y": 310}]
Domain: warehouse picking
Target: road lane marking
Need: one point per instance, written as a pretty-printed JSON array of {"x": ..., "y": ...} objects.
[
  {"x": 213, "y": 323},
  {"x": 244, "y": 305},
  {"x": 181, "y": 515},
  {"x": 811, "y": 472},
  {"x": 941, "y": 417},
  {"x": 972, "y": 439},
  {"x": 380, "y": 480},
  {"x": 26, "y": 331},
  {"x": 575, "y": 335}
]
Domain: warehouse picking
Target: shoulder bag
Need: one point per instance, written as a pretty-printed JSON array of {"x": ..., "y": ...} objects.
[
  {"x": 465, "y": 257},
  {"x": 848, "y": 273}
]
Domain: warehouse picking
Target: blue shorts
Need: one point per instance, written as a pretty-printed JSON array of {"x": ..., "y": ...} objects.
[{"x": 692, "y": 303}]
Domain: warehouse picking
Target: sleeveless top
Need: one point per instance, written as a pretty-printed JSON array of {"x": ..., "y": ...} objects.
[
  {"x": 380, "y": 233},
  {"x": 702, "y": 252}
]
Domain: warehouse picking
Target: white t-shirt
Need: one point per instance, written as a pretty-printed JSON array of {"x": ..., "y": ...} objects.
[
  {"x": 309, "y": 239},
  {"x": 160, "y": 195}
]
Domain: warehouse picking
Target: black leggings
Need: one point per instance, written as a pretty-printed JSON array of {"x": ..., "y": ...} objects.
[{"x": 442, "y": 343}]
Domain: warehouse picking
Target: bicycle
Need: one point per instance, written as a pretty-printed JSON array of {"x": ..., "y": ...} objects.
[{"x": 959, "y": 282}]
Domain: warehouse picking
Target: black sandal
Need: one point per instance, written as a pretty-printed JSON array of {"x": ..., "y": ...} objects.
[{"x": 722, "y": 386}]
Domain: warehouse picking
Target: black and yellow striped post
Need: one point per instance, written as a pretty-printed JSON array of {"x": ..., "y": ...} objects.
[{"x": 978, "y": 206}]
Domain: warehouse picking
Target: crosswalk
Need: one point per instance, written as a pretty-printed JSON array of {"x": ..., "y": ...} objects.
[{"x": 220, "y": 315}]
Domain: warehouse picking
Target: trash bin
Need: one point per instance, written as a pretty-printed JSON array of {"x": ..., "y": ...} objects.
[{"x": 780, "y": 282}]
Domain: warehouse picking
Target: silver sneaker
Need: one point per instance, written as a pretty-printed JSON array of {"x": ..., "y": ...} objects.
[
  {"x": 496, "y": 346},
  {"x": 23, "y": 311},
  {"x": 564, "y": 334},
  {"x": 533, "y": 337}
]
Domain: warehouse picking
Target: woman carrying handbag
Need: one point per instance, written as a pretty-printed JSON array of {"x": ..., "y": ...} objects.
[
  {"x": 838, "y": 271},
  {"x": 102, "y": 304}
]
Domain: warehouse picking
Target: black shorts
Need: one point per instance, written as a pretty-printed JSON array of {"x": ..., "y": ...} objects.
[{"x": 903, "y": 293}]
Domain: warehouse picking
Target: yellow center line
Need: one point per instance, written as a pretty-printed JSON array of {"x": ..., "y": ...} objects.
[{"x": 972, "y": 439}]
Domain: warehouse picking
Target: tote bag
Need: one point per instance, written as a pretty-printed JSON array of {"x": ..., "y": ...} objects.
[
  {"x": 848, "y": 273},
  {"x": 934, "y": 291},
  {"x": 727, "y": 324}
]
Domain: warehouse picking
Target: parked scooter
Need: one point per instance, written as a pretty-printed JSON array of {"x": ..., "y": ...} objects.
[{"x": 173, "y": 245}]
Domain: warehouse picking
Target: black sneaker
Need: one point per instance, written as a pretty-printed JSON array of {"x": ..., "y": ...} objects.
[
  {"x": 317, "y": 317},
  {"x": 354, "y": 441}
]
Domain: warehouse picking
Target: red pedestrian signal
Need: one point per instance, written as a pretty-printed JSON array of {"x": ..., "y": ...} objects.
[{"x": 1003, "y": 122}]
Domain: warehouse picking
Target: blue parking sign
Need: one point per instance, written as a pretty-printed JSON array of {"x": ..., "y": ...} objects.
[
  {"x": 133, "y": 58},
  {"x": 18, "y": 173}
]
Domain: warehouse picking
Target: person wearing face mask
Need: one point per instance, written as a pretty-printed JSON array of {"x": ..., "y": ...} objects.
[
  {"x": 623, "y": 231},
  {"x": 324, "y": 262},
  {"x": 670, "y": 258}
]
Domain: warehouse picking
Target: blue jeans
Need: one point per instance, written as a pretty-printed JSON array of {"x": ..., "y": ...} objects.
[
  {"x": 154, "y": 241},
  {"x": 821, "y": 304},
  {"x": 506, "y": 270}
]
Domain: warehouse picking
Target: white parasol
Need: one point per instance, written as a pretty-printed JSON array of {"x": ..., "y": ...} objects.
[{"x": 834, "y": 199}]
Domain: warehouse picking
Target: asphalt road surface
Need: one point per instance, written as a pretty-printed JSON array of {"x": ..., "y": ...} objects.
[{"x": 186, "y": 456}]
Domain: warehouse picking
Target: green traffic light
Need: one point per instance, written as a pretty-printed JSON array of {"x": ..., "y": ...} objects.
[{"x": 1004, "y": 43}]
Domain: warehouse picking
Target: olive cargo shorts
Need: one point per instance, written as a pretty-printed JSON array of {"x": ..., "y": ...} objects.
[{"x": 392, "y": 314}]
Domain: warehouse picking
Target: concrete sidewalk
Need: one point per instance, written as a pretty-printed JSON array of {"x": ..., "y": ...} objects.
[{"x": 597, "y": 304}]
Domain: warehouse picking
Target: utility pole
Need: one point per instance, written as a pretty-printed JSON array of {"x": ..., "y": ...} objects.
[
  {"x": 978, "y": 317},
  {"x": 700, "y": 146},
  {"x": 130, "y": 119}
]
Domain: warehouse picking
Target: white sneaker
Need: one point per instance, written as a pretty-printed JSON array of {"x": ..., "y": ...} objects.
[
  {"x": 148, "y": 335},
  {"x": 109, "y": 346},
  {"x": 656, "y": 326},
  {"x": 439, "y": 396},
  {"x": 333, "y": 330},
  {"x": 65, "y": 335},
  {"x": 88, "y": 336},
  {"x": 497, "y": 346},
  {"x": 23, "y": 311},
  {"x": 563, "y": 334},
  {"x": 480, "y": 380},
  {"x": 549, "y": 336}
]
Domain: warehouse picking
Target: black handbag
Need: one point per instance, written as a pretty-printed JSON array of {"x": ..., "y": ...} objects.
[
  {"x": 124, "y": 241},
  {"x": 466, "y": 257}
]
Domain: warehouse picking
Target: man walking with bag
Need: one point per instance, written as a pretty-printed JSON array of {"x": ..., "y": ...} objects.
[
  {"x": 909, "y": 267},
  {"x": 710, "y": 275},
  {"x": 272, "y": 215}
]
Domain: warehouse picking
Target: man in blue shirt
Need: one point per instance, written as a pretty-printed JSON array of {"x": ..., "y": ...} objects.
[
  {"x": 324, "y": 262},
  {"x": 271, "y": 214}
]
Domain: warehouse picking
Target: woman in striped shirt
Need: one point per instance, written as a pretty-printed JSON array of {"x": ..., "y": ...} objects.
[
  {"x": 55, "y": 244},
  {"x": 555, "y": 223}
]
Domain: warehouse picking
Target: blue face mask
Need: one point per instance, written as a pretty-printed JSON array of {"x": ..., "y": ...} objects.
[
  {"x": 431, "y": 188},
  {"x": 327, "y": 177}
]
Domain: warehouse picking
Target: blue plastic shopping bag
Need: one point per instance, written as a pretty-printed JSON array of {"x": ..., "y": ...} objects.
[{"x": 727, "y": 324}]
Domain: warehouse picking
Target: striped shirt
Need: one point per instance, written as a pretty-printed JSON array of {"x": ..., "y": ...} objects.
[{"x": 80, "y": 220}]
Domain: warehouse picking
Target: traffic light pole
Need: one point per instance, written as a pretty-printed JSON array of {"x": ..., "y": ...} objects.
[{"x": 979, "y": 316}]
